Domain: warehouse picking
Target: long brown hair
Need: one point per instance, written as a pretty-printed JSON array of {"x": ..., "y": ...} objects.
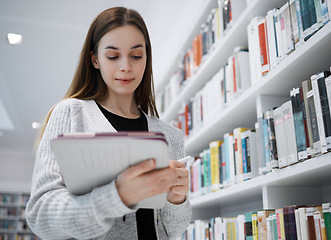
[{"x": 88, "y": 84}]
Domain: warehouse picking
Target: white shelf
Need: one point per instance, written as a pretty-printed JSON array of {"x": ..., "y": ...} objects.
[
  {"x": 15, "y": 220},
  {"x": 312, "y": 172},
  {"x": 279, "y": 188},
  {"x": 236, "y": 36},
  {"x": 313, "y": 56}
]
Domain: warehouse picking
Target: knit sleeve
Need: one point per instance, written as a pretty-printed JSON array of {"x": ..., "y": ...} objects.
[
  {"x": 52, "y": 212},
  {"x": 175, "y": 218}
]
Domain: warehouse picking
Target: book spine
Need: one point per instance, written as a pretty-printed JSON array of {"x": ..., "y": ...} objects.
[
  {"x": 306, "y": 87},
  {"x": 310, "y": 222},
  {"x": 254, "y": 50},
  {"x": 288, "y": 29},
  {"x": 248, "y": 226},
  {"x": 280, "y": 224},
  {"x": 264, "y": 57},
  {"x": 271, "y": 33},
  {"x": 255, "y": 226},
  {"x": 299, "y": 19},
  {"x": 318, "y": 11},
  {"x": 290, "y": 132},
  {"x": 327, "y": 219},
  {"x": 279, "y": 40},
  {"x": 325, "y": 106},
  {"x": 319, "y": 113},
  {"x": 304, "y": 116},
  {"x": 214, "y": 162},
  {"x": 297, "y": 224},
  {"x": 291, "y": 223},
  {"x": 266, "y": 144},
  {"x": 306, "y": 18},
  {"x": 281, "y": 141},
  {"x": 303, "y": 223},
  {"x": 272, "y": 140},
  {"x": 294, "y": 23},
  {"x": 314, "y": 124},
  {"x": 324, "y": 10},
  {"x": 300, "y": 134},
  {"x": 318, "y": 226}
]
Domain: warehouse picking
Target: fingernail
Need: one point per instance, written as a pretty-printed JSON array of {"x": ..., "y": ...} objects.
[{"x": 151, "y": 162}]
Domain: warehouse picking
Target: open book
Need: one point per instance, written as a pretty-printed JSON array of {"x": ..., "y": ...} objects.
[{"x": 89, "y": 160}]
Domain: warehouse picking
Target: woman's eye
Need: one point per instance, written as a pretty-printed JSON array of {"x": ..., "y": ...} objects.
[
  {"x": 137, "y": 57},
  {"x": 113, "y": 58}
]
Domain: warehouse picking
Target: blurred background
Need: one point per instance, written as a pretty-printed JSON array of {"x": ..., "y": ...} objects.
[{"x": 36, "y": 73}]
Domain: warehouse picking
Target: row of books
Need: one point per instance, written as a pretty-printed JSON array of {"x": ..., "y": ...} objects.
[
  {"x": 224, "y": 163},
  {"x": 218, "y": 23},
  {"x": 218, "y": 93},
  {"x": 273, "y": 37},
  {"x": 286, "y": 223},
  {"x": 298, "y": 129},
  {"x": 295, "y": 131}
]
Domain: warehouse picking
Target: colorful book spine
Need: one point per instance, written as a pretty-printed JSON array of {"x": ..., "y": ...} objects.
[
  {"x": 327, "y": 219},
  {"x": 280, "y": 223},
  {"x": 214, "y": 147},
  {"x": 263, "y": 40}
]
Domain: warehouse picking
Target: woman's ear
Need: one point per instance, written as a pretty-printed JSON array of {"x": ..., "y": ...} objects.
[{"x": 94, "y": 60}]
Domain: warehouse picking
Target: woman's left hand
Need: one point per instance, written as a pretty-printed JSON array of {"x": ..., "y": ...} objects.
[{"x": 177, "y": 193}]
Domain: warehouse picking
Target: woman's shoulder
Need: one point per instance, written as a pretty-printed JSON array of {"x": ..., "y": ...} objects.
[
  {"x": 73, "y": 105},
  {"x": 170, "y": 128}
]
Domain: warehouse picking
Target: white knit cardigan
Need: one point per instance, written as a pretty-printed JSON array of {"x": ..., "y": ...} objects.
[{"x": 53, "y": 213}]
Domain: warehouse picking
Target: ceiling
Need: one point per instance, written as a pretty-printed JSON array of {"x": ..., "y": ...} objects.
[{"x": 36, "y": 74}]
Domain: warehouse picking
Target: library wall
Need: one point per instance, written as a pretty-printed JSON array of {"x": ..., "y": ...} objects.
[{"x": 15, "y": 171}]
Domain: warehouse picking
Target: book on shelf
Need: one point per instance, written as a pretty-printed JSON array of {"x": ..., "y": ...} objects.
[
  {"x": 328, "y": 89},
  {"x": 249, "y": 153},
  {"x": 271, "y": 140},
  {"x": 286, "y": 28},
  {"x": 281, "y": 140},
  {"x": 300, "y": 133},
  {"x": 322, "y": 109},
  {"x": 255, "y": 230},
  {"x": 271, "y": 33},
  {"x": 306, "y": 87},
  {"x": 327, "y": 219},
  {"x": 229, "y": 159},
  {"x": 262, "y": 216},
  {"x": 248, "y": 226},
  {"x": 280, "y": 223},
  {"x": 304, "y": 116},
  {"x": 290, "y": 132},
  {"x": 254, "y": 49},
  {"x": 263, "y": 43},
  {"x": 310, "y": 222},
  {"x": 206, "y": 171},
  {"x": 215, "y": 161},
  {"x": 238, "y": 153}
]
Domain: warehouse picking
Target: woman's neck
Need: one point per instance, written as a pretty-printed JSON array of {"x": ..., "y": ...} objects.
[{"x": 123, "y": 106}]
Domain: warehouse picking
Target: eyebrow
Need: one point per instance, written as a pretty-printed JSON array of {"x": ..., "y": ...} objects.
[{"x": 115, "y": 48}]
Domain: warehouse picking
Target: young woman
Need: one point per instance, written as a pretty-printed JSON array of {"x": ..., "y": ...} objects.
[{"x": 112, "y": 90}]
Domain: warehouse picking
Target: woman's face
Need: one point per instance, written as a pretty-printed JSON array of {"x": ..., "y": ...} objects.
[{"x": 121, "y": 59}]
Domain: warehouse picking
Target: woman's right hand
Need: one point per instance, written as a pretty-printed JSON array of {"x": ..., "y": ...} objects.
[{"x": 143, "y": 180}]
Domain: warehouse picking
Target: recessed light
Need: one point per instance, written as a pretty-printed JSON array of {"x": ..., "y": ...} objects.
[
  {"x": 35, "y": 125},
  {"x": 14, "y": 38}
]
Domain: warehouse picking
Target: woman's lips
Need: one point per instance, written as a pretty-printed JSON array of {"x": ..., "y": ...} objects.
[{"x": 125, "y": 80}]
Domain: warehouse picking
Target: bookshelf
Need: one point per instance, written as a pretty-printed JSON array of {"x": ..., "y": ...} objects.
[
  {"x": 306, "y": 182},
  {"x": 12, "y": 216}
]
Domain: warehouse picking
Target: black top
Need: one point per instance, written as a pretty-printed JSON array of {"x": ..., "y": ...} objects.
[{"x": 144, "y": 217}]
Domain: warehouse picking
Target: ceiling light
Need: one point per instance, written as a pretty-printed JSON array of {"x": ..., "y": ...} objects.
[
  {"x": 14, "y": 38},
  {"x": 35, "y": 125}
]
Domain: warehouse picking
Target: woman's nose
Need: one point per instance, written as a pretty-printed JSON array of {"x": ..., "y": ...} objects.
[{"x": 125, "y": 65}]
